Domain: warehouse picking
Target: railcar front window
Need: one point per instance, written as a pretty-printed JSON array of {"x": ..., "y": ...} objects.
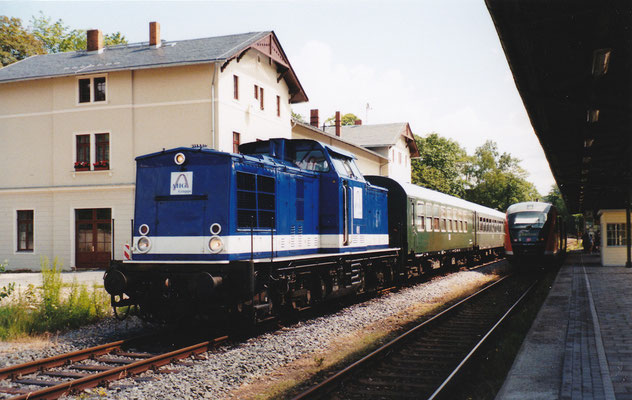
[{"x": 527, "y": 219}]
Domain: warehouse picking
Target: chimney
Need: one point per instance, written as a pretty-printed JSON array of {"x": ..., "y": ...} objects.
[
  {"x": 95, "y": 40},
  {"x": 154, "y": 34},
  {"x": 358, "y": 122},
  {"x": 338, "y": 123},
  {"x": 313, "y": 118}
]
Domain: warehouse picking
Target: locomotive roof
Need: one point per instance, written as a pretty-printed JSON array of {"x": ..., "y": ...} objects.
[
  {"x": 529, "y": 206},
  {"x": 433, "y": 195}
]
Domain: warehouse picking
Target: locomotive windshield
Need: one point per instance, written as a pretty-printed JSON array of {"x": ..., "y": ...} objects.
[{"x": 346, "y": 167}]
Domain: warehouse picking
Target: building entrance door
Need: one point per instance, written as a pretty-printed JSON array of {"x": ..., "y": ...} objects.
[{"x": 93, "y": 243}]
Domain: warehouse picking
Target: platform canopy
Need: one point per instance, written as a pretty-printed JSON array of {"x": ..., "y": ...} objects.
[{"x": 572, "y": 65}]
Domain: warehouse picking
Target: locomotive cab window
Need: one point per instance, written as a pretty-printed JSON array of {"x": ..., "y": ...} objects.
[{"x": 311, "y": 160}]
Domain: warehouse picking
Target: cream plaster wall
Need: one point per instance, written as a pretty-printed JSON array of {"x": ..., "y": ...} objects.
[
  {"x": 611, "y": 255},
  {"x": 245, "y": 115},
  {"x": 401, "y": 171}
]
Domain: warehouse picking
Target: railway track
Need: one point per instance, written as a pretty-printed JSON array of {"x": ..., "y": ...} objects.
[
  {"x": 422, "y": 362},
  {"x": 53, "y": 377}
]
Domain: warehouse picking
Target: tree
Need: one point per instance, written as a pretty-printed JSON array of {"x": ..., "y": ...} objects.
[
  {"x": 297, "y": 116},
  {"x": 572, "y": 221},
  {"x": 347, "y": 119},
  {"x": 58, "y": 38},
  {"x": 16, "y": 42},
  {"x": 441, "y": 165},
  {"x": 497, "y": 180}
]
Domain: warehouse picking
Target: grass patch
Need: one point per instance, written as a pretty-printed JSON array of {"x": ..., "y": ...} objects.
[{"x": 54, "y": 306}]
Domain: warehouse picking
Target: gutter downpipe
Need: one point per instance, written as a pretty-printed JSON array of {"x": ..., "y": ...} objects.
[{"x": 213, "y": 130}]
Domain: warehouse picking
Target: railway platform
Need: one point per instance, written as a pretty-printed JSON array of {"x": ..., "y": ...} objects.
[{"x": 580, "y": 345}]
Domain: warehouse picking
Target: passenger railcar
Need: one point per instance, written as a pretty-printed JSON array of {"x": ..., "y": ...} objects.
[
  {"x": 535, "y": 233},
  {"x": 432, "y": 226}
]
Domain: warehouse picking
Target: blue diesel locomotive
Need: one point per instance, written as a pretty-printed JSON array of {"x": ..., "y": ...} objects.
[{"x": 283, "y": 224}]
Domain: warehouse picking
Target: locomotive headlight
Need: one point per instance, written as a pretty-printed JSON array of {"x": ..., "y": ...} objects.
[
  {"x": 215, "y": 244},
  {"x": 143, "y": 229},
  {"x": 144, "y": 244},
  {"x": 216, "y": 229},
  {"x": 179, "y": 159}
]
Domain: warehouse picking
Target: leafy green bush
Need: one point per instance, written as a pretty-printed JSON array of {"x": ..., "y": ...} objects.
[
  {"x": 6, "y": 291},
  {"x": 53, "y": 306}
]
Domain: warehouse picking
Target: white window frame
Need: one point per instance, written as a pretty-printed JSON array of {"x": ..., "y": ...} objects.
[
  {"x": 93, "y": 149},
  {"x": 92, "y": 102}
]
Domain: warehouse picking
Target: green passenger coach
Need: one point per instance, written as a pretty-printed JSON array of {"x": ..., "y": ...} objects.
[{"x": 431, "y": 226}]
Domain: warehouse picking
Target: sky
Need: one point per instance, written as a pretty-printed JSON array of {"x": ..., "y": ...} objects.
[{"x": 437, "y": 64}]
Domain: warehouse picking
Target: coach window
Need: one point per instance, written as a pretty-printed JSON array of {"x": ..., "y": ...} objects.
[
  {"x": 420, "y": 216},
  {"x": 429, "y": 217}
]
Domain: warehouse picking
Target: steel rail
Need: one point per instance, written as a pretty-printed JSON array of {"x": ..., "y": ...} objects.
[
  {"x": 63, "y": 359},
  {"x": 336, "y": 378},
  {"x": 456, "y": 370},
  {"x": 121, "y": 372}
]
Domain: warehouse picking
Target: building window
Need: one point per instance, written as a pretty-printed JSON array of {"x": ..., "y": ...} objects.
[
  {"x": 102, "y": 150},
  {"x": 256, "y": 92},
  {"x": 25, "y": 230},
  {"x": 261, "y": 98},
  {"x": 236, "y": 142},
  {"x": 92, "y": 90},
  {"x": 615, "y": 235},
  {"x": 278, "y": 106},
  {"x": 83, "y": 152},
  {"x": 235, "y": 87}
]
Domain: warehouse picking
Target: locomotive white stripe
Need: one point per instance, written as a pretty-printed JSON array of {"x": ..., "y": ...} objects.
[{"x": 239, "y": 244}]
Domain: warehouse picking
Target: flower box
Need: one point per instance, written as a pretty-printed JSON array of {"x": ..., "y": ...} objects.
[
  {"x": 101, "y": 165},
  {"x": 82, "y": 166}
]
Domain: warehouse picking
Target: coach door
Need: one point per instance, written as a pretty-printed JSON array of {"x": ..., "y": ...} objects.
[{"x": 93, "y": 243}]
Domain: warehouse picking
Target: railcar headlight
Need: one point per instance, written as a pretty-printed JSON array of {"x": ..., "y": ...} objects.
[
  {"x": 143, "y": 229},
  {"x": 216, "y": 229},
  {"x": 144, "y": 244},
  {"x": 215, "y": 244},
  {"x": 179, "y": 158}
]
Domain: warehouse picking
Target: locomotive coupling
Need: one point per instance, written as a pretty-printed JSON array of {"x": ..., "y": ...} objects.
[
  {"x": 206, "y": 284},
  {"x": 115, "y": 282}
]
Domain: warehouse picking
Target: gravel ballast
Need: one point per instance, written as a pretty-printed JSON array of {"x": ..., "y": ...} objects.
[{"x": 234, "y": 365}]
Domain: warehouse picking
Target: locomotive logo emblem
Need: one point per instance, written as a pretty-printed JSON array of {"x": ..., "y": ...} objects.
[{"x": 181, "y": 183}]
